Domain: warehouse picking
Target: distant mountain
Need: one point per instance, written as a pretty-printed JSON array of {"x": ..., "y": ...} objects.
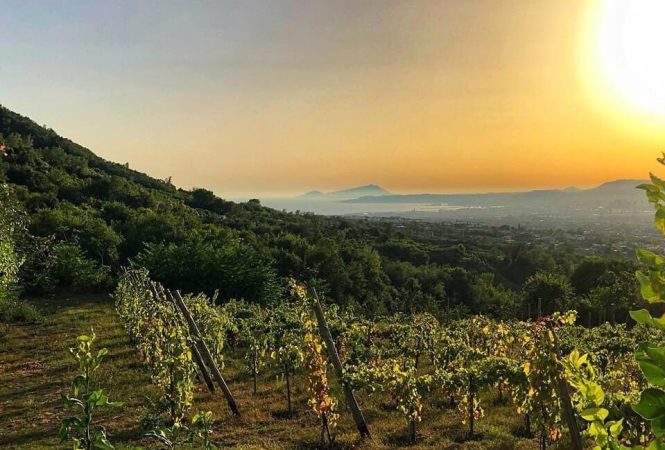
[
  {"x": 619, "y": 185},
  {"x": 368, "y": 190},
  {"x": 615, "y": 195},
  {"x": 313, "y": 194}
]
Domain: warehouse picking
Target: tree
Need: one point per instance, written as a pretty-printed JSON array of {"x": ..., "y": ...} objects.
[
  {"x": 210, "y": 262},
  {"x": 545, "y": 292},
  {"x": 205, "y": 199},
  {"x": 11, "y": 229},
  {"x": 10, "y": 262}
]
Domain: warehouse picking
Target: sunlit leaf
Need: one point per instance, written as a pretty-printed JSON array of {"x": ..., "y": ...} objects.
[
  {"x": 651, "y": 405},
  {"x": 651, "y": 359}
]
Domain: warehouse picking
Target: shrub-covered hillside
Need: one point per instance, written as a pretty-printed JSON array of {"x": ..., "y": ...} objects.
[{"x": 88, "y": 217}]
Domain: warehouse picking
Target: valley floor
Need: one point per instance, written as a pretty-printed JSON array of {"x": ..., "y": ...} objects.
[{"x": 36, "y": 369}]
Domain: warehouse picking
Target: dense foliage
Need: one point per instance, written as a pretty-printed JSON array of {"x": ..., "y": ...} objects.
[
  {"x": 650, "y": 354},
  {"x": 12, "y": 258},
  {"x": 10, "y": 262}
]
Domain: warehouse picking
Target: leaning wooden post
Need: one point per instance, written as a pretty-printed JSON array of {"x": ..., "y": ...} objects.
[
  {"x": 569, "y": 415},
  {"x": 337, "y": 364},
  {"x": 205, "y": 353},
  {"x": 196, "y": 354},
  {"x": 566, "y": 403}
]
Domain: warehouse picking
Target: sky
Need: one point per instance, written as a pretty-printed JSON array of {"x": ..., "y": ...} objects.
[{"x": 274, "y": 98}]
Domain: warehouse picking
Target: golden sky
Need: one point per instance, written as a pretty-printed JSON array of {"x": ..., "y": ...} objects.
[{"x": 270, "y": 98}]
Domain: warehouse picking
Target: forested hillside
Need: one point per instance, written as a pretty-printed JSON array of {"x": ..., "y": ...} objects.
[{"x": 87, "y": 217}]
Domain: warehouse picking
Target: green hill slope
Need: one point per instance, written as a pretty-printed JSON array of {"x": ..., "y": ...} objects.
[{"x": 103, "y": 214}]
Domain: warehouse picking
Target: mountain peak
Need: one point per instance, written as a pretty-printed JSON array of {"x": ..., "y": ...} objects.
[
  {"x": 313, "y": 194},
  {"x": 347, "y": 194},
  {"x": 620, "y": 184}
]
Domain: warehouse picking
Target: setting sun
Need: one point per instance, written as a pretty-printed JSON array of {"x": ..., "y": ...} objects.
[{"x": 630, "y": 47}]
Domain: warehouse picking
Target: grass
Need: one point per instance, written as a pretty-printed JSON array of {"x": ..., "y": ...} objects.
[{"x": 36, "y": 370}]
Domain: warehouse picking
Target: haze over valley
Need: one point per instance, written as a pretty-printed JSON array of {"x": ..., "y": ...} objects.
[{"x": 617, "y": 201}]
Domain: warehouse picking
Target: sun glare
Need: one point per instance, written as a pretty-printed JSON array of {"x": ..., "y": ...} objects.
[{"x": 630, "y": 46}]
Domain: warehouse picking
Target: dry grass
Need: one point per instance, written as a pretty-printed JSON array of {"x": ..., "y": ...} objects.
[{"x": 35, "y": 369}]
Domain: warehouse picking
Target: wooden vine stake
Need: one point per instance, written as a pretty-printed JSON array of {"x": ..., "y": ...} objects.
[
  {"x": 351, "y": 401},
  {"x": 196, "y": 353},
  {"x": 566, "y": 403},
  {"x": 205, "y": 351}
]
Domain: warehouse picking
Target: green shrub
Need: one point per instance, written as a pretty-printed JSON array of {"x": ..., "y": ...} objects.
[
  {"x": 71, "y": 267},
  {"x": 11, "y": 225},
  {"x": 213, "y": 262},
  {"x": 14, "y": 310}
]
